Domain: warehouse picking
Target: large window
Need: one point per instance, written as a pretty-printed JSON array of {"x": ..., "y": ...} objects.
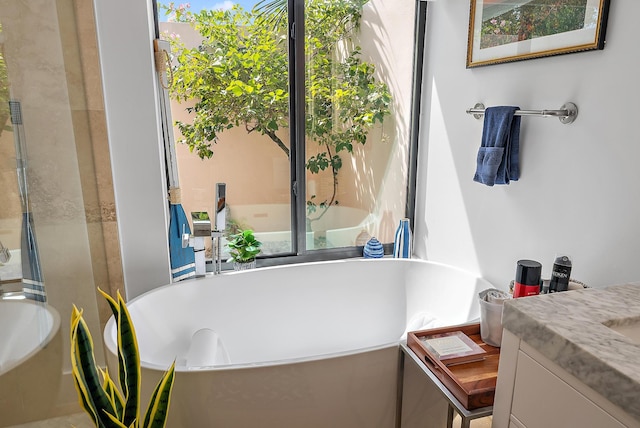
[{"x": 304, "y": 109}]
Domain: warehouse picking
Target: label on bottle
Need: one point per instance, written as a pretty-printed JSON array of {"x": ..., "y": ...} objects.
[
  {"x": 560, "y": 275},
  {"x": 522, "y": 290}
]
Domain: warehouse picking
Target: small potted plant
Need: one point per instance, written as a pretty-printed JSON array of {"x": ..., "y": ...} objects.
[
  {"x": 243, "y": 248},
  {"x": 108, "y": 406}
]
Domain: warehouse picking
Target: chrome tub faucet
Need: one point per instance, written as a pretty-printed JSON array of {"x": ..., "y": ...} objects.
[{"x": 202, "y": 229}]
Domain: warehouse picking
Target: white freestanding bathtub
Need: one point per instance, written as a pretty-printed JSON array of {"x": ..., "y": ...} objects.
[
  {"x": 307, "y": 345},
  {"x": 30, "y": 354}
]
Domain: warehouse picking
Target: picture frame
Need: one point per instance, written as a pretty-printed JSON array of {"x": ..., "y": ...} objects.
[{"x": 503, "y": 31}]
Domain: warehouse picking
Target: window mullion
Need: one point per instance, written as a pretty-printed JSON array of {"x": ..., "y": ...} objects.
[
  {"x": 418, "y": 67},
  {"x": 297, "y": 125}
]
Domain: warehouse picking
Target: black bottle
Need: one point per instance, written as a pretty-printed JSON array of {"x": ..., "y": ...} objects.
[{"x": 560, "y": 274}]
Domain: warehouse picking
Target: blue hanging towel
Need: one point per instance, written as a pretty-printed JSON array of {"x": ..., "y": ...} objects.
[
  {"x": 183, "y": 264},
  {"x": 499, "y": 155},
  {"x": 32, "y": 281}
]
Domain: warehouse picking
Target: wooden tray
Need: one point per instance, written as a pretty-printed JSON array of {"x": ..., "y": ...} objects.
[{"x": 473, "y": 384}]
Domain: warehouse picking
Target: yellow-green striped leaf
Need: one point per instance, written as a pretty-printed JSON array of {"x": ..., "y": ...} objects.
[
  {"x": 113, "y": 422},
  {"x": 85, "y": 370},
  {"x": 130, "y": 363},
  {"x": 116, "y": 314},
  {"x": 114, "y": 395},
  {"x": 84, "y": 402},
  {"x": 112, "y": 303},
  {"x": 122, "y": 375},
  {"x": 106, "y": 405},
  {"x": 158, "y": 409}
]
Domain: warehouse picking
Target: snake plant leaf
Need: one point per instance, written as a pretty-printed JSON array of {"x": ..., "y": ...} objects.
[
  {"x": 112, "y": 302},
  {"x": 115, "y": 423},
  {"x": 83, "y": 395},
  {"x": 116, "y": 315},
  {"x": 130, "y": 367},
  {"x": 108, "y": 406},
  {"x": 85, "y": 371},
  {"x": 158, "y": 409},
  {"x": 84, "y": 401},
  {"x": 75, "y": 316},
  {"x": 114, "y": 395}
]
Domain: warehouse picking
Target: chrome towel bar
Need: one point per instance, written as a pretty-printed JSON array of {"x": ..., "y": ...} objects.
[{"x": 567, "y": 113}]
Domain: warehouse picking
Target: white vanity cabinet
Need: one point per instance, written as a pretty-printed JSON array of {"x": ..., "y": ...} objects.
[{"x": 534, "y": 392}]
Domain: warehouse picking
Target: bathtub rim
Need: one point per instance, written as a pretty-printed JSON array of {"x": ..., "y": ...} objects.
[
  {"x": 111, "y": 347},
  {"x": 271, "y": 363},
  {"x": 51, "y": 334}
]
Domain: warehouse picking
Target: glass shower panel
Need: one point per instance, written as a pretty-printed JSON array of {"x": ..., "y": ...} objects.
[
  {"x": 359, "y": 68},
  {"x": 52, "y": 145},
  {"x": 10, "y": 209}
]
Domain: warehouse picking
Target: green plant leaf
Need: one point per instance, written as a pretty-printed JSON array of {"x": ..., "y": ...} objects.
[
  {"x": 85, "y": 372},
  {"x": 83, "y": 398},
  {"x": 115, "y": 397},
  {"x": 113, "y": 422},
  {"x": 130, "y": 369},
  {"x": 243, "y": 246},
  {"x": 113, "y": 304},
  {"x": 157, "y": 411},
  {"x": 104, "y": 403}
]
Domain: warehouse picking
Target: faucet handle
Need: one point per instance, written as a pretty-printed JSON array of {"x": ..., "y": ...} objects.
[
  {"x": 186, "y": 238},
  {"x": 201, "y": 223}
]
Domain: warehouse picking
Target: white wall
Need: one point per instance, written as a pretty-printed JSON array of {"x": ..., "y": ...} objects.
[
  {"x": 125, "y": 34},
  {"x": 579, "y": 185}
]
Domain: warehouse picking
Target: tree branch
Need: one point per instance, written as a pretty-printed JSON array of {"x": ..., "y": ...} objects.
[
  {"x": 277, "y": 140},
  {"x": 334, "y": 173}
]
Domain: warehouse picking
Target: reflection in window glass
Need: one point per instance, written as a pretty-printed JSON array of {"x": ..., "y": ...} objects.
[{"x": 358, "y": 92}]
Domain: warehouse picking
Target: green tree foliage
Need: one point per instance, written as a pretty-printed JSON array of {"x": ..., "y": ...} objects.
[{"x": 238, "y": 77}]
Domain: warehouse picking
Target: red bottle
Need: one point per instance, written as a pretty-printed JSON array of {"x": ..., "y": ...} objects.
[{"x": 527, "y": 281}]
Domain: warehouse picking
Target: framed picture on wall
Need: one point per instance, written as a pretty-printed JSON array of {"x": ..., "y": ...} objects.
[{"x": 513, "y": 30}]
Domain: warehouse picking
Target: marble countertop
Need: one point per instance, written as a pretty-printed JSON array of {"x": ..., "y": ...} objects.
[{"x": 572, "y": 329}]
